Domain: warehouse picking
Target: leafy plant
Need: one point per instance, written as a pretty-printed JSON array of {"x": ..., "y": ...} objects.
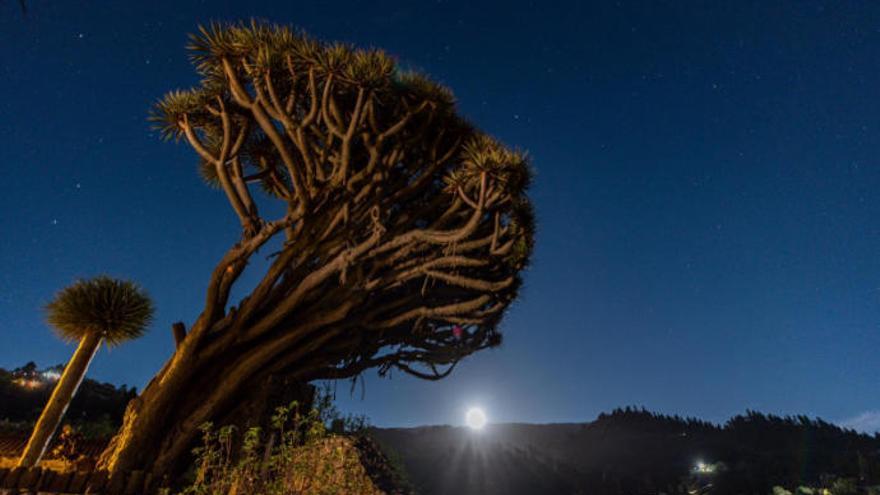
[{"x": 299, "y": 454}]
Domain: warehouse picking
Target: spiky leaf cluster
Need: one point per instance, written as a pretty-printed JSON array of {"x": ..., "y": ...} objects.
[
  {"x": 395, "y": 204},
  {"x": 118, "y": 310}
]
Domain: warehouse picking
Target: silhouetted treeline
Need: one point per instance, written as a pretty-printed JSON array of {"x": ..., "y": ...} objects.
[
  {"x": 97, "y": 408},
  {"x": 633, "y": 451}
]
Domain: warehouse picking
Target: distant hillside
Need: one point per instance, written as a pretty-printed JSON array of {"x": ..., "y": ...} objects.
[
  {"x": 635, "y": 451},
  {"x": 97, "y": 407},
  {"x": 629, "y": 451}
]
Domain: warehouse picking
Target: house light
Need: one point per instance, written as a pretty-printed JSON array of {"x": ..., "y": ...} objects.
[
  {"x": 29, "y": 384},
  {"x": 51, "y": 375}
]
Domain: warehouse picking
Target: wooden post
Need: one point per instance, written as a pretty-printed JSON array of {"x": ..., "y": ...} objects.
[
  {"x": 96, "y": 483},
  {"x": 11, "y": 479},
  {"x": 179, "y": 330},
  {"x": 135, "y": 485},
  {"x": 59, "y": 482},
  {"x": 29, "y": 479},
  {"x": 116, "y": 482},
  {"x": 78, "y": 482},
  {"x": 149, "y": 487}
]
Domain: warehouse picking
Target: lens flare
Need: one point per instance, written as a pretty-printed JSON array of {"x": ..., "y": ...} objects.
[{"x": 475, "y": 418}]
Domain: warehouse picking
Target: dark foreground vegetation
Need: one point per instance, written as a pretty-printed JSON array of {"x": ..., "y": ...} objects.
[
  {"x": 636, "y": 451},
  {"x": 303, "y": 448}
]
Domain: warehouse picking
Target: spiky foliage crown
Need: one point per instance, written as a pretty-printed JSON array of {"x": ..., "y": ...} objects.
[
  {"x": 259, "y": 53},
  {"x": 118, "y": 310},
  {"x": 395, "y": 204}
]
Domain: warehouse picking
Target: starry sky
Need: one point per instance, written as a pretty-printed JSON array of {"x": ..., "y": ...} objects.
[{"x": 706, "y": 192}]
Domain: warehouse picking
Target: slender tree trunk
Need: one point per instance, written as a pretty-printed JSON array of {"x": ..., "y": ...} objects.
[{"x": 64, "y": 391}]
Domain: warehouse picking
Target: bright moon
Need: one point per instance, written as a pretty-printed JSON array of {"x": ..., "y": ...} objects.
[{"x": 475, "y": 418}]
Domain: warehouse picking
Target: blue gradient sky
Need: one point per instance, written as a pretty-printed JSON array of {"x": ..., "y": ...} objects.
[{"x": 707, "y": 193}]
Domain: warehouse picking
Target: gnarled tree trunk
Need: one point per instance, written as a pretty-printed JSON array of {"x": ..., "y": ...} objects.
[
  {"x": 160, "y": 439},
  {"x": 404, "y": 233}
]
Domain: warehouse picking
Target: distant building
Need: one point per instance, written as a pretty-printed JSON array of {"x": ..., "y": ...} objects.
[{"x": 29, "y": 376}]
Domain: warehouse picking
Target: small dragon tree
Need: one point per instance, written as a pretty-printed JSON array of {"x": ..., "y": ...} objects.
[
  {"x": 403, "y": 233},
  {"x": 89, "y": 311}
]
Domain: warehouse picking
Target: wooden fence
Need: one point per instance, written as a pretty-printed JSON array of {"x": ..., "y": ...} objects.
[
  {"x": 12, "y": 445},
  {"x": 46, "y": 481}
]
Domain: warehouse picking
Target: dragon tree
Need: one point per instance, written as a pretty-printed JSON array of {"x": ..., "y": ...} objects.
[
  {"x": 90, "y": 311},
  {"x": 399, "y": 244}
]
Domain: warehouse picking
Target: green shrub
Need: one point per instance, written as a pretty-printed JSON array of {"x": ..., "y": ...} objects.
[{"x": 300, "y": 454}]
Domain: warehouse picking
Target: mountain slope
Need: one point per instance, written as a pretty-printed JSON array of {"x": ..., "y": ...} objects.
[{"x": 634, "y": 451}]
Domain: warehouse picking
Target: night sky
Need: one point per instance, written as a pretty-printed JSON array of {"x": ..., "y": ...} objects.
[{"x": 706, "y": 190}]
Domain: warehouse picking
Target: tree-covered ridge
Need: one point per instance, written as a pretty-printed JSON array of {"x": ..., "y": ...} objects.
[
  {"x": 97, "y": 408},
  {"x": 632, "y": 450}
]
